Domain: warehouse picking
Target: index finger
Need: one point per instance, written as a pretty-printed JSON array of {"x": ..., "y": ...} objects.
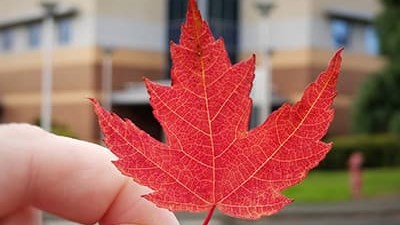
[{"x": 70, "y": 178}]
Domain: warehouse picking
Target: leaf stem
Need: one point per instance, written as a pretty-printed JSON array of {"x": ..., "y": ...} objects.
[{"x": 209, "y": 215}]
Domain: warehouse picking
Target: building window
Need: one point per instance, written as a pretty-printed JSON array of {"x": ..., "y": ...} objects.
[
  {"x": 223, "y": 20},
  {"x": 7, "y": 39},
  {"x": 371, "y": 40},
  {"x": 222, "y": 16},
  {"x": 64, "y": 31},
  {"x": 340, "y": 29},
  {"x": 34, "y": 35},
  {"x": 176, "y": 16}
]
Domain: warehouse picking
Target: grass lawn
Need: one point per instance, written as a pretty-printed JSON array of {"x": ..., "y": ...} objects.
[{"x": 324, "y": 186}]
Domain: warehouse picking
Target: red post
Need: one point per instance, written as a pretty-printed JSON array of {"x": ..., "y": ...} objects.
[{"x": 355, "y": 165}]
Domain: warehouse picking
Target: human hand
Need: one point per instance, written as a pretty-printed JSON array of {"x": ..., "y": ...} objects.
[{"x": 69, "y": 178}]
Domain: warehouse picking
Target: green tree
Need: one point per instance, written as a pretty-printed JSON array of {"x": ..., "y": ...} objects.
[
  {"x": 377, "y": 106},
  {"x": 387, "y": 24}
]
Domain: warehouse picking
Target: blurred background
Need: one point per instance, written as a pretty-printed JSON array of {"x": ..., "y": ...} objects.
[{"x": 55, "y": 54}]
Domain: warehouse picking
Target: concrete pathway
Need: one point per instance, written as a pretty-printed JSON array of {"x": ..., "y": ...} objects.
[{"x": 382, "y": 211}]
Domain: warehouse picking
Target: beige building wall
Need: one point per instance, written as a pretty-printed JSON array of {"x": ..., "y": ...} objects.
[
  {"x": 78, "y": 65},
  {"x": 83, "y": 24},
  {"x": 300, "y": 38},
  {"x": 298, "y": 33},
  {"x": 74, "y": 80},
  {"x": 321, "y": 34},
  {"x": 74, "y": 69},
  {"x": 301, "y": 24},
  {"x": 139, "y": 25},
  {"x": 288, "y": 23}
]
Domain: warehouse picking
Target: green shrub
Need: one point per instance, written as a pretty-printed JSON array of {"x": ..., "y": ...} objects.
[
  {"x": 394, "y": 125},
  {"x": 59, "y": 129},
  {"x": 378, "y": 150},
  {"x": 63, "y": 130}
]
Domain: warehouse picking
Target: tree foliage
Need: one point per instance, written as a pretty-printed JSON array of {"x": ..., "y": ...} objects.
[
  {"x": 388, "y": 29},
  {"x": 377, "y": 107}
]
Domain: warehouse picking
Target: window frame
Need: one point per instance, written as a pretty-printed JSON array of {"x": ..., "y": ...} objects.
[
  {"x": 176, "y": 16},
  {"x": 34, "y": 37},
  {"x": 371, "y": 38},
  {"x": 342, "y": 27},
  {"x": 64, "y": 30},
  {"x": 7, "y": 39}
]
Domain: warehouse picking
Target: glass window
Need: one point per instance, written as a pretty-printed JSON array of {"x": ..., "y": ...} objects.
[
  {"x": 371, "y": 41},
  {"x": 34, "y": 35},
  {"x": 340, "y": 33},
  {"x": 64, "y": 31},
  {"x": 7, "y": 39},
  {"x": 176, "y": 16},
  {"x": 222, "y": 16},
  {"x": 223, "y": 20}
]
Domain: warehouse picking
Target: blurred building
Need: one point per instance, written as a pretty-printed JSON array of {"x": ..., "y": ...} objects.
[{"x": 125, "y": 39}]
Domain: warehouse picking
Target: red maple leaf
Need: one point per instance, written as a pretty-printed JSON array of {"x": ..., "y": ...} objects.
[{"x": 210, "y": 158}]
